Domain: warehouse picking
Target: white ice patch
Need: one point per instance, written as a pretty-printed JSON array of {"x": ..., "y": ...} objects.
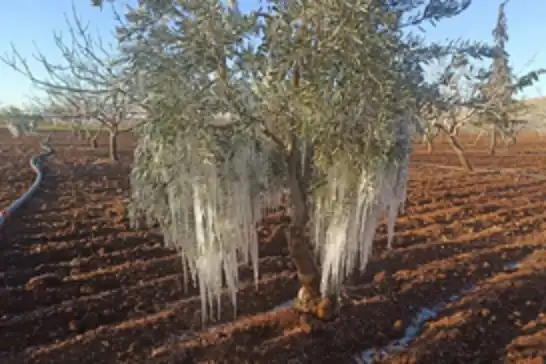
[
  {"x": 512, "y": 266},
  {"x": 410, "y": 333},
  {"x": 287, "y": 304}
]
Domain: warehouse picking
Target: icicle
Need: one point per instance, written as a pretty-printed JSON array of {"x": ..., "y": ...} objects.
[
  {"x": 347, "y": 213},
  {"x": 399, "y": 181},
  {"x": 207, "y": 208}
]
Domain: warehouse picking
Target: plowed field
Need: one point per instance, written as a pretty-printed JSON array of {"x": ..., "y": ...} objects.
[
  {"x": 467, "y": 273},
  {"x": 15, "y": 173}
]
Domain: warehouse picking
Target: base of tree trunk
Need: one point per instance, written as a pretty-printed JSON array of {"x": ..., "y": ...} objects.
[
  {"x": 309, "y": 299},
  {"x": 319, "y": 307},
  {"x": 459, "y": 152}
]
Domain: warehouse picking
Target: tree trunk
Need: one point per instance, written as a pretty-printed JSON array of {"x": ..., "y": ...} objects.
[
  {"x": 430, "y": 147},
  {"x": 459, "y": 151},
  {"x": 309, "y": 298},
  {"x": 457, "y": 132},
  {"x": 113, "y": 144},
  {"x": 507, "y": 140},
  {"x": 94, "y": 138},
  {"x": 480, "y": 134},
  {"x": 493, "y": 145},
  {"x": 511, "y": 142}
]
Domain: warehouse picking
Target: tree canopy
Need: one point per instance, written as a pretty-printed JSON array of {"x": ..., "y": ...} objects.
[{"x": 325, "y": 92}]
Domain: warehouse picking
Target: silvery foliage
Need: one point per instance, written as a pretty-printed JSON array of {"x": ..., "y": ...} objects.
[{"x": 210, "y": 157}]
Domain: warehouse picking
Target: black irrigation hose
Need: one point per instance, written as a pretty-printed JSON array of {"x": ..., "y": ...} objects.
[{"x": 35, "y": 162}]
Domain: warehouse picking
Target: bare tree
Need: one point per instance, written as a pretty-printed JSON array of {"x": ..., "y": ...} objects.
[
  {"x": 75, "y": 111},
  {"x": 455, "y": 102},
  {"x": 90, "y": 82},
  {"x": 461, "y": 97},
  {"x": 20, "y": 121}
]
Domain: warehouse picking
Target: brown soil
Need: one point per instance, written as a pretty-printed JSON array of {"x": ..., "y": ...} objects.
[{"x": 81, "y": 286}]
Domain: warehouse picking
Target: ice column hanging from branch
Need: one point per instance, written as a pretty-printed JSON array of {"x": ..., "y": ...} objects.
[
  {"x": 348, "y": 209},
  {"x": 207, "y": 205}
]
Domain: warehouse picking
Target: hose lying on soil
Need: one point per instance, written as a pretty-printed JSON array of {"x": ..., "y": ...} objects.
[{"x": 35, "y": 162}]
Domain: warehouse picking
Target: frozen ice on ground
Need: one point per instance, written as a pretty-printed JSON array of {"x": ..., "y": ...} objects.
[
  {"x": 512, "y": 266},
  {"x": 284, "y": 305},
  {"x": 423, "y": 315},
  {"x": 410, "y": 333}
]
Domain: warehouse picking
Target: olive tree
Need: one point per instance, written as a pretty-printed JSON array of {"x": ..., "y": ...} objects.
[
  {"x": 317, "y": 98},
  {"x": 455, "y": 101},
  {"x": 90, "y": 83}
]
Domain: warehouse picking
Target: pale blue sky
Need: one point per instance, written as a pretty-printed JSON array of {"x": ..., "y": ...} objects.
[{"x": 29, "y": 22}]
